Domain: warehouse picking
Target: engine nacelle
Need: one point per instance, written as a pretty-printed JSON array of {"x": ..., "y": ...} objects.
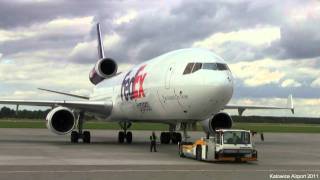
[
  {"x": 218, "y": 121},
  {"x": 103, "y": 69},
  {"x": 61, "y": 120}
]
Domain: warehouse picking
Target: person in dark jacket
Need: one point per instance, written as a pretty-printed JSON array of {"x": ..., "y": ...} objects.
[{"x": 153, "y": 142}]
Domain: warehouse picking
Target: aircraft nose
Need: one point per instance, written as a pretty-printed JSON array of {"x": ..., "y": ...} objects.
[
  {"x": 207, "y": 93},
  {"x": 223, "y": 80},
  {"x": 222, "y": 85},
  {"x": 226, "y": 85}
]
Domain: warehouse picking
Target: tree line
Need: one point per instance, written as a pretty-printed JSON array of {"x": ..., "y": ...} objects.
[
  {"x": 6, "y": 112},
  {"x": 273, "y": 119}
]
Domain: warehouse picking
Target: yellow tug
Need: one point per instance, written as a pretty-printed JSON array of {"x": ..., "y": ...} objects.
[{"x": 225, "y": 145}]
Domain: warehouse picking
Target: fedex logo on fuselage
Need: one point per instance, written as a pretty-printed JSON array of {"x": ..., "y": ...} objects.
[{"x": 132, "y": 86}]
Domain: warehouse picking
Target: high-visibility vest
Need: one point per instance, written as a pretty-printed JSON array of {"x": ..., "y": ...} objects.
[{"x": 153, "y": 138}]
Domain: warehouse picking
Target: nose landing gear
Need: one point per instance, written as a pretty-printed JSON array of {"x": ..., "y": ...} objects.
[{"x": 174, "y": 137}]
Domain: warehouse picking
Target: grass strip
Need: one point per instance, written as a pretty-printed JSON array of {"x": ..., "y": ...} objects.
[{"x": 259, "y": 127}]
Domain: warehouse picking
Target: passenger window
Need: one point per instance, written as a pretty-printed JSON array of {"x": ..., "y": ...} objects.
[
  {"x": 196, "y": 67},
  {"x": 188, "y": 69},
  {"x": 211, "y": 66}
]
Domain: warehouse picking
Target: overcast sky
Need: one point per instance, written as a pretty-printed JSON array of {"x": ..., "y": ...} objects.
[{"x": 272, "y": 47}]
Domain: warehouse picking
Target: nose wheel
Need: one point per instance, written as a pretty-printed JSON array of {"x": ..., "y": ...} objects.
[
  {"x": 174, "y": 137},
  {"x": 80, "y": 134}
]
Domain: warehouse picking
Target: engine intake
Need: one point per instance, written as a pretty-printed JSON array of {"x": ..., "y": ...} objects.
[
  {"x": 218, "y": 121},
  {"x": 103, "y": 69},
  {"x": 60, "y": 120}
]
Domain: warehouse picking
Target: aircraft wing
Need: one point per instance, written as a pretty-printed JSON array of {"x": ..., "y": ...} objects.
[
  {"x": 242, "y": 108},
  {"x": 104, "y": 107},
  {"x": 67, "y": 94}
]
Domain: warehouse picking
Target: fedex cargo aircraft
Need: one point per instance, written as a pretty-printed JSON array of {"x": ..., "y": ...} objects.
[{"x": 179, "y": 88}]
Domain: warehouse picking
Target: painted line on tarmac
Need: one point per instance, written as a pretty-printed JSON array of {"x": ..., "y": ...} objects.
[{"x": 155, "y": 170}]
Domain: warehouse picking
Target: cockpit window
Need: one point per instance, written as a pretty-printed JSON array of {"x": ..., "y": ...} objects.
[
  {"x": 188, "y": 69},
  {"x": 211, "y": 66},
  {"x": 222, "y": 67},
  {"x": 215, "y": 66},
  {"x": 196, "y": 67},
  {"x": 193, "y": 67}
]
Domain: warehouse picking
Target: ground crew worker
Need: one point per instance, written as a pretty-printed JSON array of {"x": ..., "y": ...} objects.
[
  {"x": 153, "y": 140},
  {"x": 261, "y": 136},
  {"x": 235, "y": 139}
]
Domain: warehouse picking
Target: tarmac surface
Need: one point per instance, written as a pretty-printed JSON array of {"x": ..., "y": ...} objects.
[{"x": 38, "y": 154}]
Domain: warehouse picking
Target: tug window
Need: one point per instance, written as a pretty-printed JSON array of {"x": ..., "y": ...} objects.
[
  {"x": 188, "y": 69},
  {"x": 196, "y": 67}
]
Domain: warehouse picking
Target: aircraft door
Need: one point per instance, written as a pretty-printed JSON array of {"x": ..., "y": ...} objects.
[
  {"x": 167, "y": 95},
  {"x": 169, "y": 75}
]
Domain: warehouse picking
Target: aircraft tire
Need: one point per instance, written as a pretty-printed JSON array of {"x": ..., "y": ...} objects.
[
  {"x": 74, "y": 137},
  {"x": 86, "y": 137},
  {"x": 129, "y": 137},
  {"x": 176, "y": 138},
  {"x": 165, "y": 138},
  {"x": 162, "y": 138},
  {"x": 121, "y": 137}
]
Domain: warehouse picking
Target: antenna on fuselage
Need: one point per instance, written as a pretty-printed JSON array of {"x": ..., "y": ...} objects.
[{"x": 100, "y": 44}]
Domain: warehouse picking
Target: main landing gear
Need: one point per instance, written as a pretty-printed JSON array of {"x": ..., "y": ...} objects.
[
  {"x": 124, "y": 135},
  {"x": 84, "y": 135}
]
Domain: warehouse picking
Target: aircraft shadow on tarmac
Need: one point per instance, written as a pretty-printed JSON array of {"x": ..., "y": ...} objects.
[
  {"x": 110, "y": 141},
  {"x": 95, "y": 141}
]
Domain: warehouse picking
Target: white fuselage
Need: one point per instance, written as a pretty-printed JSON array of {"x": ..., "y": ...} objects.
[{"x": 158, "y": 90}]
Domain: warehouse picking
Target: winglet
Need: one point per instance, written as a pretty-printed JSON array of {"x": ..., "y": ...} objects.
[
  {"x": 290, "y": 103},
  {"x": 100, "y": 44}
]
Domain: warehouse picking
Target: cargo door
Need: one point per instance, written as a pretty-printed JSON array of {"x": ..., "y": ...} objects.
[{"x": 167, "y": 95}]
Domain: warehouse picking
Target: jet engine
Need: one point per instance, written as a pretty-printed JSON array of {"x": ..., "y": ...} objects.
[
  {"x": 61, "y": 120},
  {"x": 103, "y": 69},
  {"x": 219, "y": 120}
]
